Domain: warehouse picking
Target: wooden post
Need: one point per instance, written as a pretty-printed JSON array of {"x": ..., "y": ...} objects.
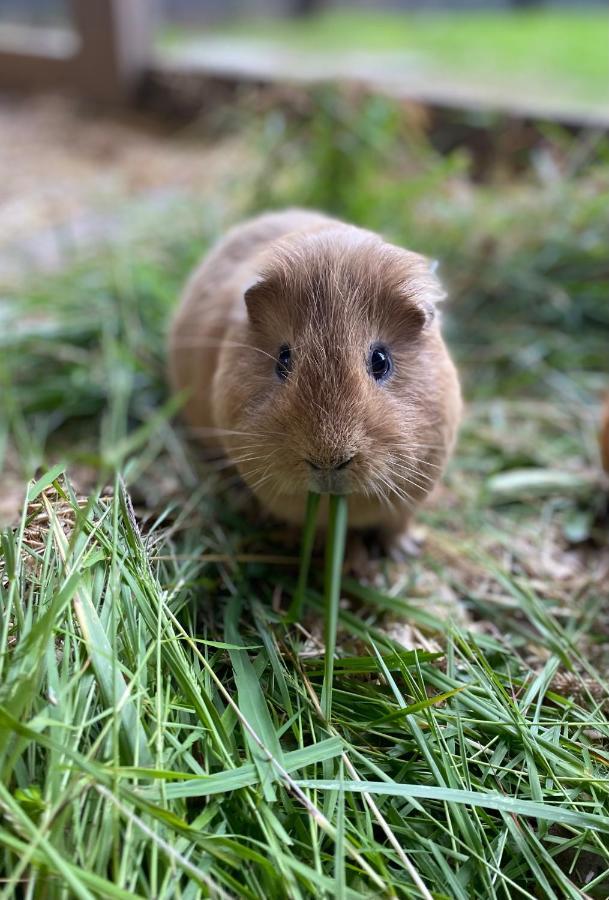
[
  {"x": 115, "y": 46},
  {"x": 104, "y": 61}
]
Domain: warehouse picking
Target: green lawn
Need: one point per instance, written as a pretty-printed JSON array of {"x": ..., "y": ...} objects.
[
  {"x": 562, "y": 53},
  {"x": 161, "y": 726}
]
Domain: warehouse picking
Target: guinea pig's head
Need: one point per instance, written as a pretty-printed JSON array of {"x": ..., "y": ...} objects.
[{"x": 336, "y": 387}]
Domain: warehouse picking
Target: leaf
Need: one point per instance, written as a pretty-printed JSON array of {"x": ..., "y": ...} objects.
[
  {"x": 355, "y": 665},
  {"x": 43, "y": 483},
  {"x": 253, "y": 706},
  {"x": 524, "y": 484},
  {"x": 418, "y": 707},
  {"x": 500, "y": 802},
  {"x": 243, "y": 776}
]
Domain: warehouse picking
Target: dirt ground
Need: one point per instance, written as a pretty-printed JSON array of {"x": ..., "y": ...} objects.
[{"x": 73, "y": 178}]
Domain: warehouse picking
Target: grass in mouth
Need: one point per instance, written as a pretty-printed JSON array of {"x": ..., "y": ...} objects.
[
  {"x": 308, "y": 540},
  {"x": 335, "y": 551}
]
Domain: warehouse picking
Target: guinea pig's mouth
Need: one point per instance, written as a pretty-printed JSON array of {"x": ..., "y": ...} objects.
[{"x": 330, "y": 481}]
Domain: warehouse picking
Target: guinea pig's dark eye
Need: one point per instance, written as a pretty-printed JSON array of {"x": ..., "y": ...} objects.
[
  {"x": 379, "y": 363},
  {"x": 284, "y": 362}
]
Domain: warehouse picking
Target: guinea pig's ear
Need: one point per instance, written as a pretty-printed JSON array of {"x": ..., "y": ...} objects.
[
  {"x": 256, "y": 294},
  {"x": 422, "y": 290}
]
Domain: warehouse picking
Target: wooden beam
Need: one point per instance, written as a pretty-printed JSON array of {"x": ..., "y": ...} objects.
[
  {"x": 115, "y": 46},
  {"x": 35, "y": 57},
  {"x": 104, "y": 59}
]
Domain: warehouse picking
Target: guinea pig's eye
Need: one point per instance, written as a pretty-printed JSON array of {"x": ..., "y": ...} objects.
[
  {"x": 379, "y": 363},
  {"x": 284, "y": 362}
]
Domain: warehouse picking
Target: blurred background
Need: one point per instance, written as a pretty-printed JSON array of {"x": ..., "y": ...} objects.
[
  {"x": 132, "y": 134},
  {"x": 104, "y": 102}
]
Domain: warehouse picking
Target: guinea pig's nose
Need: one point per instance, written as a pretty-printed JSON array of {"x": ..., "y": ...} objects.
[{"x": 331, "y": 466}]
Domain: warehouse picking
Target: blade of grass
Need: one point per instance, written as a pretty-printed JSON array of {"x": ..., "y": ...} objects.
[
  {"x": 45, "y": 481},
  {"x": 339, "y": 846},
  {"x": 243, "y": 776},
  {"x": 495, "y": 801},
  {"x": 111, "y": 681},
  {"x": 101, "y": 886},
  {"x": 252, "y": 704},
  {"x": 37, "y": 839},
  {"x": 306, "y": 551},
  {"x": 335, "y": 551}
]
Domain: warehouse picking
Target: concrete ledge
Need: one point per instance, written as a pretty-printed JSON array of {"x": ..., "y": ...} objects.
[{"x": 184, "y": 74}]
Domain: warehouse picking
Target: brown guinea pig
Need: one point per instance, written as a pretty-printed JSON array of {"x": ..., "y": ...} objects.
[{"x": 310, "y": 351}]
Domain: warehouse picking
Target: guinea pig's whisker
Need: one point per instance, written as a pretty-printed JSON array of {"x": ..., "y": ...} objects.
[
  {"x": 415, "y": 484},
  {"x": 256, "y": 485},
  {"x": 220, "y": 464},
  {"x": 388, "y": 483},
  {"x": 254, "y": 469},
  {"x": 251, "y": 347},
  {"x": 245, "y": 447},
  {"x": 253, "y": 463},
  {"x": 424, "y": 462},
  {"x": 406, "y": 469},
  {"x": 248, "y": 455},
  {"x": 244, "y": 452},
  {"x": 384, "y": 497},
  {"x": 406, "y": 462},
  {"x": 411, "y": 450},
  {"x": 413, "y": 476},
  {"x": 416, "y": 464},
  {"x": 251, "y": 472},
  {"x": 265, "y": 461},
  {"x": 400, "y": 491},
  {"x": 251, "y": 447},
  {"x": 417, "y": 446},
  {"x": 195, "y": 343},
  {"x": 276, "y": 490},
  {"x": 261, "y": 469},
  {"x": 212, "y": 430},
  {"x": 407, "y": 500}
]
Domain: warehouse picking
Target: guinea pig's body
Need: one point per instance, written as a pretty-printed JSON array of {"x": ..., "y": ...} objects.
[{"x": 311, "y": 353}]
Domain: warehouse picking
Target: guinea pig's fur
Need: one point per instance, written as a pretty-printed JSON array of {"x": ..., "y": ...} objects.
[{"x": 330, "y": 292}]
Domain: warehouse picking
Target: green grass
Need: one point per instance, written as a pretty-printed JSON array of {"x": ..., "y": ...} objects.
[
  {"x": 163, "y": 725},
  {"x": 560, "y": 53}
]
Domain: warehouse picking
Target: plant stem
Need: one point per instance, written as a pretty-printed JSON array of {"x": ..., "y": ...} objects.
[
  {"x": 335, "y": 551},
  {"x": 306, "y": 551}
]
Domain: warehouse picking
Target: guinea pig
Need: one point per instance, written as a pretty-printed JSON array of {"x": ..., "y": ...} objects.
[{"x": 310, "y": 352}]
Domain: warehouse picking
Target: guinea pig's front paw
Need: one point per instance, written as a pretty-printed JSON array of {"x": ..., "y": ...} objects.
[
  {"x": 366, "y": 551},
  {"x": 361, "y": 561},
  {"x": 403, "y": 545}
]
